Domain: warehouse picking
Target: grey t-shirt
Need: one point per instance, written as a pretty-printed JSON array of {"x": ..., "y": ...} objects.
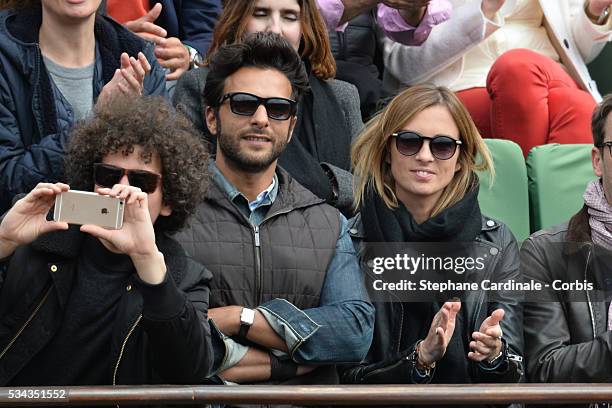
[{"x": 76, "y": 84}]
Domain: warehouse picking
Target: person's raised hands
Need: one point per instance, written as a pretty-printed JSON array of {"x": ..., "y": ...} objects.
[
  {"x": 433, "y": 347},
  {"x": 487, "y": 342},
  {"x": 27, "y": 219}
]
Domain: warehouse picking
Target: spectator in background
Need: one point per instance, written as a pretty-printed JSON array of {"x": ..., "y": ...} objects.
[
  {"x": 568, "y": 333},
  {"x": 58, "y": 60},
  {"x": 416, "y": 164},
  {"x": 181, "y": 30},
  {"x": 287, "y": 293},
  {"x": 519, "y": 81},
  {"x": 357, "y": 44},
  {"x": 328, "y": 114},
  {"x": 405, "y": 21}
]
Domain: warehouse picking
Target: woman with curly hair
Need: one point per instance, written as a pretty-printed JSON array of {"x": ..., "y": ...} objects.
[
  {"x": 416, "y": 164},
  {"x": 92, "y": 288},
  {"x": 328, "y": 114}
]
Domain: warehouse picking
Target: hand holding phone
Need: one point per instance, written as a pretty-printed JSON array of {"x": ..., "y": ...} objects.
[
  {"x": 136, "y": 238},
  {"x": 27, "y": 219}
]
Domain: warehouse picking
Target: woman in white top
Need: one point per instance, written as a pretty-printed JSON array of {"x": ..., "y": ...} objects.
[{"x": 518, "y": 65}]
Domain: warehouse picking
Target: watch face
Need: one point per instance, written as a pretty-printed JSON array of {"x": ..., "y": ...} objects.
[{"x": 247, "y": 316}]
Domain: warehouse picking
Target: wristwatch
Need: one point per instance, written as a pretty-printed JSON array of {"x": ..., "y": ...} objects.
[
  {"x": 247, "y": 316},
  {"x": 195, "y": 57}
]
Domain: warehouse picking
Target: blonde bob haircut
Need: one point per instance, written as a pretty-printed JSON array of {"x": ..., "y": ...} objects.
[{"x": 370, "y": 152}]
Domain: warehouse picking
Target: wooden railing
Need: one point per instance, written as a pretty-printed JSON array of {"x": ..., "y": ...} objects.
[{"x": 353, "y": 395}]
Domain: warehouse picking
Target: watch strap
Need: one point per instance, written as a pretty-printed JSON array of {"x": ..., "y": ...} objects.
[{"x": 243, "y": 331}]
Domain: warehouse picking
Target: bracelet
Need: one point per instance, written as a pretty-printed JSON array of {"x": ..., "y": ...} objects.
[
  {"x": 499, "y": 360},
  {"x": 419, "y": 364}
]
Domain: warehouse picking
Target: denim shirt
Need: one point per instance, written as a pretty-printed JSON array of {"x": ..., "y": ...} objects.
[{"x": 341, "y": 328}]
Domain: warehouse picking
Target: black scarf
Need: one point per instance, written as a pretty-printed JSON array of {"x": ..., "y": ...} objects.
[
  {"x": 320, "y": 135},
  {"x": 460, "y": 222}
]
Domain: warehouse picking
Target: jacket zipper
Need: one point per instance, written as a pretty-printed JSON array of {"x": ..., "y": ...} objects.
[
  {"x": 258, "y": 260},
  {"x": 27, "y": 322},
  {"x": 123, "y": 348},
  {"x": 586, "y": 269},
  {"x": 258, "y": 268}
]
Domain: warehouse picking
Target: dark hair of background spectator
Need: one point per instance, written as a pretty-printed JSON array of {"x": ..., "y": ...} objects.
[
  {"x": 148, "y": 122},
  {"x": 314, "y": 47},
  {"x": 598, "y": 123},
  {"x": 263, "y": 50}
]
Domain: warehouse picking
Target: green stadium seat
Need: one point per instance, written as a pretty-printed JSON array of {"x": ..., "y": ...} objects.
[
  {"x": 558, "y": 175},
  {"x": 507, "y": 198}
]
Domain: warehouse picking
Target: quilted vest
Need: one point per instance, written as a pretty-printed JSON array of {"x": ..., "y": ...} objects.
[{"x": 286, "y": 256}]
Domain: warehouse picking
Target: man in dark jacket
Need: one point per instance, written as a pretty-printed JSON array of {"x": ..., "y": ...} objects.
[
  {"x": 54, "y": 70},
  {"x": 287, "y": 294},
  {"x": 94, "y": 306},
  {"x": 567, "y": 336}
]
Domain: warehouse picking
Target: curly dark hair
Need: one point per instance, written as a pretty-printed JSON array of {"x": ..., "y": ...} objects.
[{"x": 148, "y": 122}]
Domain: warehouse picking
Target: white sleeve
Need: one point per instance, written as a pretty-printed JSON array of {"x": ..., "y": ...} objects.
[
  {"x": 446, "y": 45},
  {"x": 589, "y": 38}
]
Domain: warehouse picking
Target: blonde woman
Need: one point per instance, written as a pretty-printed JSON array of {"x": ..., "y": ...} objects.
[{"x": 415, "y": 164}]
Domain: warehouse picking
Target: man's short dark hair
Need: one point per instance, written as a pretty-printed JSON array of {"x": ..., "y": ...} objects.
[
  {"x": 151, "y": 123},
  {"x": 598, "y": 123},
  {"x": 263, "y": 50}
]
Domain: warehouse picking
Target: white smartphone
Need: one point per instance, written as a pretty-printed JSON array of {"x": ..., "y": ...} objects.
[{"x": 85, "y": 207}]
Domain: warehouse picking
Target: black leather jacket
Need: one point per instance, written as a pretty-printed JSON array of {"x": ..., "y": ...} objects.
[
  {"x": 567, "y": 340},
  {"x": 161, "y": 334},
  {"x": 387, "y": 362}
]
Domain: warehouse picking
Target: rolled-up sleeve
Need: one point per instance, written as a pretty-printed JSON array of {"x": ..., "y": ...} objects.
[
  {"x": 340, "y": 329},
  {"x": 332, "y": 11},
  {"x": 391, "y": 21}
]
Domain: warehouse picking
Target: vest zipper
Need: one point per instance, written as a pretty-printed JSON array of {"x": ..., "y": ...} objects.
[
  {"x": 123, "y": 348},
  {"x": 258, "y": 268},
  {"x": 27, "y": 322},
  {"x": 258, "y": 261}
]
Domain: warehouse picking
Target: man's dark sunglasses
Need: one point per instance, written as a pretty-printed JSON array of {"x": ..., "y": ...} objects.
[
  {"x": 246, "y": 104},
  {"x": 107, "y": 175},
  {"x": 410, "y": 143}
]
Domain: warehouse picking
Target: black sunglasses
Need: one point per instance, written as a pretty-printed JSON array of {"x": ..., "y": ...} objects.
[
  {"x": 246, "y": 104},
  {"x": 410, "y": 143},
  {"x": 107, "y": 175}
]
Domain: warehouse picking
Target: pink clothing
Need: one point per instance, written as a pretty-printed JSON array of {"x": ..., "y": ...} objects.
[{"x": 391, "y": 21}]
